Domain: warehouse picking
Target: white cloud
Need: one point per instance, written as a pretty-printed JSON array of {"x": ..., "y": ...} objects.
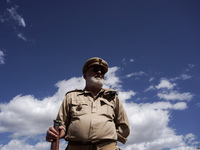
[
  {"x": 28, "y": 116},
  {"x": 185, "y": 148},
  {"x": 124, "y": 61},
  {"x": 191, "y": 65},
  {"x": 140, "y": 73},
  {"x": 163, "y": 106},
  {"x": 174, "y": 95},
  {"x": 2, "y": 60},
  {"x": 149, "y": 126},
  {"x": 185, "y": 76},
  {"x": 198, "y": 104},
  {"x": 150, "y": 88},
  {"x": 165, "y": 91},
  {"x": 24, "y": 145},
  {"x": 31, "y": 112},
  {"x": 165, "y": 84},
  {"x": 181, "y": 77},
  {"x": 15, "y": 20},
  {"x": 15, "y": 16},
  {"x": 112, "y": 81},
  {"x": 151, "y": 79},
  {"x": 131, "y": 60},
  {"x": 21, "y": 36},
  {"x": 126, "y": 95}
]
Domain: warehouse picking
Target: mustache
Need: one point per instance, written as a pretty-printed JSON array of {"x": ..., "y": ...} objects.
[{"x": 98, "y": 75}]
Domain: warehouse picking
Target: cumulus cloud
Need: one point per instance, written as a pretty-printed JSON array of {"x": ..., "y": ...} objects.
[
  {"x": 126, "y": 95},
  {"x": 24, "y": 145},
  {"x": 163, "y": 106},
  {"x": 165, "y": 90},
  {"x": 165, "y": 84},
  {"x": 28, "y": 116},
  {"x": 112, "y": 81},
  {"x": 2, "y": 59},
  {"x": 174, "y": 95},
  {"x": 35, "y": 115},
  {"x": 149, "y": 126}
]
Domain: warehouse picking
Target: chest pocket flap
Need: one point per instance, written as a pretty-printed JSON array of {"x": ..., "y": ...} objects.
[
  {"x": 78, "y": 107},
  {"x": 107, "y": 108}
]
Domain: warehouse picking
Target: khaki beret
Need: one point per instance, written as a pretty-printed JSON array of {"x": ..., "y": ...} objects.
[{"x": 95, "y": 61}]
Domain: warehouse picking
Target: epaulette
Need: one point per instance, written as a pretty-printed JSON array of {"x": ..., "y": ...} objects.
[
  {"x": 111, "y": 91},
  {"x": 76, "y": 90},
  {"x": 110, "y": 94}
]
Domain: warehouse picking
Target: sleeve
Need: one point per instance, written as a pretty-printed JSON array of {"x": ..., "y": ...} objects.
[
  {"x": 63, "y": 114},
  {"x": 121, "y": 122}
]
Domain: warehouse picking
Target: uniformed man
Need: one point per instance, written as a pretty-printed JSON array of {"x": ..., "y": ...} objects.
[{"x": 92, "y": 118}]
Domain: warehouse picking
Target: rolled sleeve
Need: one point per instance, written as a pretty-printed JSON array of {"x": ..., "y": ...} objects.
[{"x": 63, "y": 114}]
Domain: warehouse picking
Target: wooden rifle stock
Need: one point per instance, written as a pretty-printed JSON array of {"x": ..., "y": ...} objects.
[{"x": 55, "y": 143}]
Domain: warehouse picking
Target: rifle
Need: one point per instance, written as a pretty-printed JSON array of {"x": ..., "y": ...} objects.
[{"x": 55, "y": 143}]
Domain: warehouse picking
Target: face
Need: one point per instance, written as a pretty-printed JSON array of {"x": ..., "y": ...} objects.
[
  {"x": 95, "y": 71},
  {"x": 94, "y": 77}
]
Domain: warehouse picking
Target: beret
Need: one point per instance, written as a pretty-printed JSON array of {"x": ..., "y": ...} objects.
[{"x": 95, "y": 61}]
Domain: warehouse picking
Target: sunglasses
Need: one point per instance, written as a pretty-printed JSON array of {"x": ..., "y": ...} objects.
[{"x": 96, "y": 69}]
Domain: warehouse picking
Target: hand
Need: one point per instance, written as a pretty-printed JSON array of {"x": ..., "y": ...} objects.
[{"x": 52, "y": 134}]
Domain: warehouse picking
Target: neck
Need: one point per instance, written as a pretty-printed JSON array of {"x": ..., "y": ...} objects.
[{"x": 93, "y": 90}]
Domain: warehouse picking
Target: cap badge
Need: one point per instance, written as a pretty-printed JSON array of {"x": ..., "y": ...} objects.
[{"x": 100, "y": 61}]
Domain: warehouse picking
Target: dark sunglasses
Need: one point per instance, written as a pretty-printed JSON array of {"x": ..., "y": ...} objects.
[{"x": 96, "y": 69}]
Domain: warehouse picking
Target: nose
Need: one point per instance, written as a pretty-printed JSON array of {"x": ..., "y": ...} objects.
[{"x": 99, "y": 71}]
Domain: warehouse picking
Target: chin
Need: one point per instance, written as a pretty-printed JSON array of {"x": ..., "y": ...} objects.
[{"x": 96, "y": 82}]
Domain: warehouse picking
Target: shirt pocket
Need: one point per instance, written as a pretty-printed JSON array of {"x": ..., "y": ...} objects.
[
  {"x": 78, "y": 108},
  {"x": 107, "y": 108}
]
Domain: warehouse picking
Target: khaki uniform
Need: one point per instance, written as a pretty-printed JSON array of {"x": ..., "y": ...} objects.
[{"x": 88, "y": 119}]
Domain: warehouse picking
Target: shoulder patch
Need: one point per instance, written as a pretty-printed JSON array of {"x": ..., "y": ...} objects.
[{"x": 76, "y": 90}]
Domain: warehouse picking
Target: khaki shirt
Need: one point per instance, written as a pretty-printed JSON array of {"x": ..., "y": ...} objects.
[{"x": 85, "y": 118}]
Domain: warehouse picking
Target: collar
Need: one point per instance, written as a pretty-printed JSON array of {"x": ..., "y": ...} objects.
[{"x": 86, "y": 91}]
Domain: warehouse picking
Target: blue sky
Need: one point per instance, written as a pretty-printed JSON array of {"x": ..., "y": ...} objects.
[{"x": 152, "y": 48}]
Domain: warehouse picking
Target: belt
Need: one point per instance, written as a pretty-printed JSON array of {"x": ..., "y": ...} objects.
[{"x": 95, "y": 142}]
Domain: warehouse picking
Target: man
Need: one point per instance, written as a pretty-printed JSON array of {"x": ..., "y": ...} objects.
[{"x": 92, "y": 118}]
